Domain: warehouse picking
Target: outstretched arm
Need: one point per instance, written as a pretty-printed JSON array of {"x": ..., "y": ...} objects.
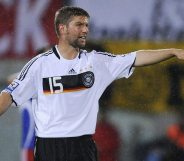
[
  {"x": 5, "y": 102},
  {"x": 149, "y": 57}
]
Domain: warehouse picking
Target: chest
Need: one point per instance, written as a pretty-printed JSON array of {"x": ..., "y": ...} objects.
[
  {"x": 64, "y": 68},
  {"x": 64, "y": 77}
]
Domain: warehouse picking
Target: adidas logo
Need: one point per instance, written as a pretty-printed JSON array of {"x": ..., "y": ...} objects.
[{"x": 72, "y": 71}]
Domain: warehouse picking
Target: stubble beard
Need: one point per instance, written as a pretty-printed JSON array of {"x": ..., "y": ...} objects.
[{"x": 77, "y": 44}]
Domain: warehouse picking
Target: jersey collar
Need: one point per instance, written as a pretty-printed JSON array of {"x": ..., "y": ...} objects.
[
  {"x": 56, "y": 52},
  {"x": 58, "y": 56}
]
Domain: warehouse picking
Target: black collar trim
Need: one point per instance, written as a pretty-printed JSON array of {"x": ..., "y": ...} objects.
[
  {"x": 55, "y": 52},
  {"x": 80, "y": 52}
]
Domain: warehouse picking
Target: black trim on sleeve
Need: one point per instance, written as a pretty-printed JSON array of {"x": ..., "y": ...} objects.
[
  {"x": 13, "y": 101},
  {"x": 106, "y": 54},
  {"x": 26, "y": 68},
  {"x": 132, "y": 66}
]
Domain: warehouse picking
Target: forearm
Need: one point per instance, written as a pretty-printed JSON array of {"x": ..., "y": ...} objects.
[
  {"x": 149, "y": 57},
  {"x": 5, "y": 102}
]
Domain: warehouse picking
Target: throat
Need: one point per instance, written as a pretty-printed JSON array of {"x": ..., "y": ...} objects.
[
  {"x": 69, "y": 56},
  {"x": 68, "y": 53}
]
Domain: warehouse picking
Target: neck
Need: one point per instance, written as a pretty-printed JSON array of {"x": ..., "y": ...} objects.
[{"x": 67, "y": 51}]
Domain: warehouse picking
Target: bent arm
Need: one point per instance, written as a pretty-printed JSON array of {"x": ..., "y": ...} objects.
[
  {"x": 5, "y": 102},
  {"x": 149, "y": 57}
]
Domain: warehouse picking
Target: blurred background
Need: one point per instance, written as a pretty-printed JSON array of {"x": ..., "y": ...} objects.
[{"x": 140, "y": 118}]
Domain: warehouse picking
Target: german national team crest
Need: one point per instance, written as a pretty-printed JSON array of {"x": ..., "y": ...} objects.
[{"x": 88, "y": 79}]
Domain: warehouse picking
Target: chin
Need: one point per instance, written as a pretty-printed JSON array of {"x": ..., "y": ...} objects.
[
  {"x": 81, "y": 45},
  {"x": 78, "y": 44}
]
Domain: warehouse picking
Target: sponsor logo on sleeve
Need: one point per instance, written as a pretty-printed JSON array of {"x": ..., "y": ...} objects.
[{"x": 12, "y": 87}]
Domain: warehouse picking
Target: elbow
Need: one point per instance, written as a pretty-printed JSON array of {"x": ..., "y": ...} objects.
[
  {"x": 3, "y": 109},
  {"x": 5, "y": 102}
]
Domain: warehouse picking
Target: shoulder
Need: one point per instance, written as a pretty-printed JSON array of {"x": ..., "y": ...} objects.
[
  {"x": 43, "y": 56},
  {"x": 104, "y": 54},
  {"x": 40, "y": 58},
  {"x": 96, "y": 54},
  {"x": 33, "y": 64}
]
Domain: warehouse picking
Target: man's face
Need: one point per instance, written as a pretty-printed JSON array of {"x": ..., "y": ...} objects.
[{"x": 76, "y": 31}]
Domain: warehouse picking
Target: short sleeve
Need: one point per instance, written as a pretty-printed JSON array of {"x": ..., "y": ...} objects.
[
  {"x": 119, "y": 66},
  {"x": 23, "y": 87}
]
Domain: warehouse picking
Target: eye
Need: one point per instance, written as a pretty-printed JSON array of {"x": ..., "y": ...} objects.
[
  {"x": 82, "y": 24},
  {"x": 79, "y": 24}
]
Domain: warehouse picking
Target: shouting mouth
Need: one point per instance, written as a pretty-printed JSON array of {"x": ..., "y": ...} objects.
[{"x": 82, "y": 38}]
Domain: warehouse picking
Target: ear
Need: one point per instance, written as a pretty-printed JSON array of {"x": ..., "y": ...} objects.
[{"x": 62, "y": 28}]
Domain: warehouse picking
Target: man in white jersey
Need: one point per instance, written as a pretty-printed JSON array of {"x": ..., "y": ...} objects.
[{"x": 65, "y": 85}]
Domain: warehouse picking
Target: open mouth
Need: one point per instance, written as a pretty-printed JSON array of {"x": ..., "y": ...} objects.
[{"x": 82, "y": 37}]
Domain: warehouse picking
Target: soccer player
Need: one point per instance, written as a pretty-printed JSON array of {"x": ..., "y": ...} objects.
[{"x": 65, "y": 85}]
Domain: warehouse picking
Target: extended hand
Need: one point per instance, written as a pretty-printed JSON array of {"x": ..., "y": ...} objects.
[
  {"x": 179, "y": 53},
  {"x": 149, "y": 57}
]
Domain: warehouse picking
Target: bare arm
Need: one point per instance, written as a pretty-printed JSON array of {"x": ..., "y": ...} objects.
[
  {"x": 149, "y": 57},
  {"x": 5, "y": 102}
]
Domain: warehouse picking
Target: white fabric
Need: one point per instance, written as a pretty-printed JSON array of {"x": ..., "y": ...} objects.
[{"x": 63, "y": 111}]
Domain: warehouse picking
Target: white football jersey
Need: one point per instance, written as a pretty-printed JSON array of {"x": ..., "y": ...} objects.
[{"x": 65, "y": 93}]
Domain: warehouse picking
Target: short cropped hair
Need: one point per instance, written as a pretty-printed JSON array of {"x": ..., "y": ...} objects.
[{"x": 64, "y": 14}]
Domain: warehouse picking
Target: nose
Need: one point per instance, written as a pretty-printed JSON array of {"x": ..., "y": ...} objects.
[{"x": 85, "y": 29}]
